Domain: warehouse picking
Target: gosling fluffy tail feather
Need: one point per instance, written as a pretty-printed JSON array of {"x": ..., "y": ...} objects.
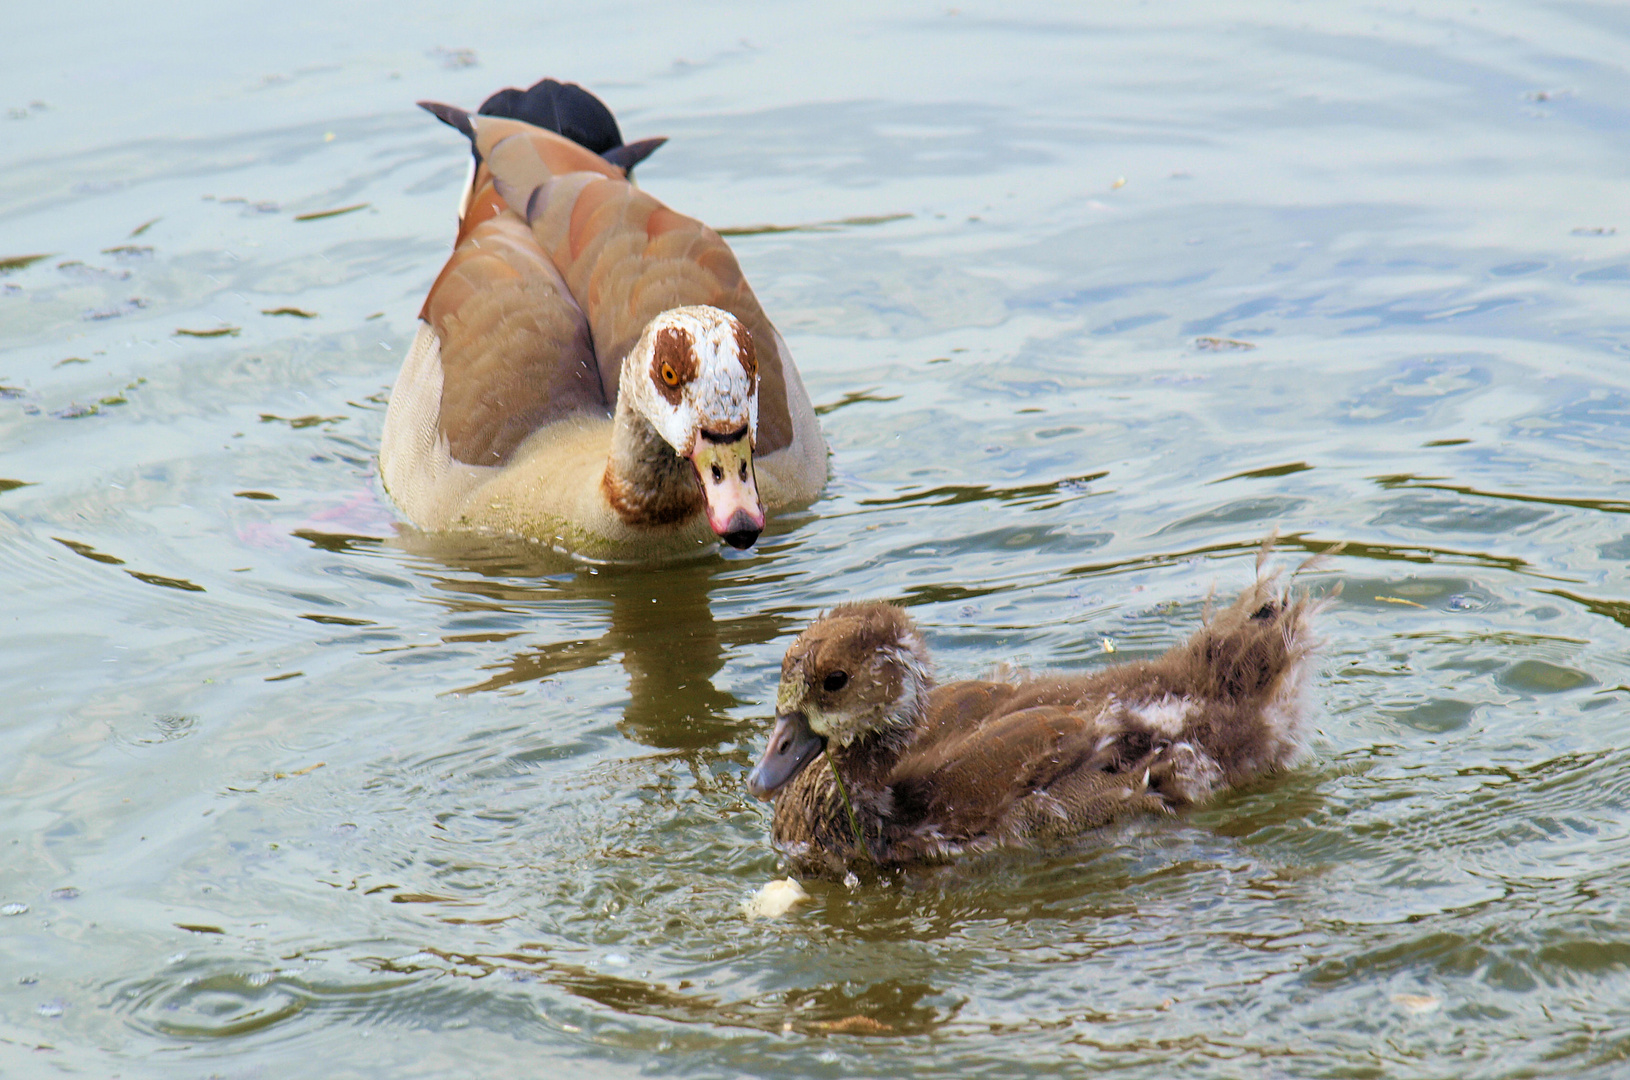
[
  {"x": 1245, "y": 652},
  {"x": 1242, "y": 677}
]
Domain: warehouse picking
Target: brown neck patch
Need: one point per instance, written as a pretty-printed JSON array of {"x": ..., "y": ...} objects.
[
  {"x": 648, "y": 484},
  {"x": 673, "y": 362},
  {"x": 747, "y": 354}
]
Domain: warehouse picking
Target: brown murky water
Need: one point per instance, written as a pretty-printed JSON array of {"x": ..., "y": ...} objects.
[{"x": 288, "y": 790}]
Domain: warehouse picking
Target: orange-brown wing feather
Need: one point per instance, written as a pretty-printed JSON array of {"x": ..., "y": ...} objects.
[
  {"x": 626, "y": 257},
  {"x": 515, "y": 348},
  {"x": 527, "y": 156}
]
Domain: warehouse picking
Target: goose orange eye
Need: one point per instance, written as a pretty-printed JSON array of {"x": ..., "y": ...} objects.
[{"x": 669, "y": 375}]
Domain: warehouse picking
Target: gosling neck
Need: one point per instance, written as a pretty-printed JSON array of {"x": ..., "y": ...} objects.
[{"x": 867, "y": 762}]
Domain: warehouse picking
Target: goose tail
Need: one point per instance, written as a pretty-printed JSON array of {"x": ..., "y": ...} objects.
[{"x": 568, "y": 109}]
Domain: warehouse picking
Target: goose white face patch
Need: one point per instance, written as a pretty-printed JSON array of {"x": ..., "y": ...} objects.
[{"x": 699, "y": 374}]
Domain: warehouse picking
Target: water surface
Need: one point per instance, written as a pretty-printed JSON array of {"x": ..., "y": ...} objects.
[{"x": 290, "y": 789}]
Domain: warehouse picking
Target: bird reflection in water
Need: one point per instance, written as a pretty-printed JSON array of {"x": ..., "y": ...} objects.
[{"x": 661, "y": 627}]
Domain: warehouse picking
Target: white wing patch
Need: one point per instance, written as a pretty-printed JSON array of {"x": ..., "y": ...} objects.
[{"x": 1166, "y": 716}]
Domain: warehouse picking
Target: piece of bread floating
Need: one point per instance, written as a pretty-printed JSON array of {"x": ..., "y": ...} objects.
[
  {"x": 774, "y": 899},
  {"x": 592, "y": 370},
  {"x": 926, "y": 772}
]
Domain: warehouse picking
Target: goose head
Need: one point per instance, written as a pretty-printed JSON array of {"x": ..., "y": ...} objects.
[
  {"x": 693, "y": 376},
  {"x": 860, "y": 671}
]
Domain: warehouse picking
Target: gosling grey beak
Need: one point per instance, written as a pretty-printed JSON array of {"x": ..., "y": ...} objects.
[{"x": 792, "y": 746}]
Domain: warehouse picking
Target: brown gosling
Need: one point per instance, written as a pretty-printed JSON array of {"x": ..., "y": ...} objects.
[{"x": 931, "y": 772}]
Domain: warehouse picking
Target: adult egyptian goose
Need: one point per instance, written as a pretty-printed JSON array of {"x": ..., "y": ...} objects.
[
  {"x": 930, "y": 772},
  {"x": 591, "y": 369}
]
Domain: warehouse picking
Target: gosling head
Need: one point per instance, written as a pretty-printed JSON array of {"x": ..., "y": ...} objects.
[
  {"x": 694, "y": 377},
  {"x": 859, "y": 670}
]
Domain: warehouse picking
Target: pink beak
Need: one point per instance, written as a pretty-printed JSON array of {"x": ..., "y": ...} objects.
[{"x": 730, "y": 489}]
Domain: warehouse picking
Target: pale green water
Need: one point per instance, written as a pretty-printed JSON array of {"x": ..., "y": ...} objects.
[{"x": 526, "y": 846}]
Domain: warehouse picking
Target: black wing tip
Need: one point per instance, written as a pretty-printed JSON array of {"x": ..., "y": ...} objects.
[
  {"x": 451, "y": 115},
  {"x": 626, "y": 157},
  {"x": 567, "y": 109},
  {"x": 562, "y": 107}
]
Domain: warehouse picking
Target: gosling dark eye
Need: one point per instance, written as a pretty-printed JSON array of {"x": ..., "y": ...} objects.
[
  {"x": 718, "y": 473},
  {"x": 835, "y": 682}
]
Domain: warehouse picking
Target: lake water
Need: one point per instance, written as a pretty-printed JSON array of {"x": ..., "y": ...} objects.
[{"x": 287, "y": 789}]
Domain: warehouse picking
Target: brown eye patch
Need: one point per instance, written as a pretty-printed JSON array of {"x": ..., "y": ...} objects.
[
  {"x": 673, "y": 362},
  {"x": 747, "y": 355}
]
